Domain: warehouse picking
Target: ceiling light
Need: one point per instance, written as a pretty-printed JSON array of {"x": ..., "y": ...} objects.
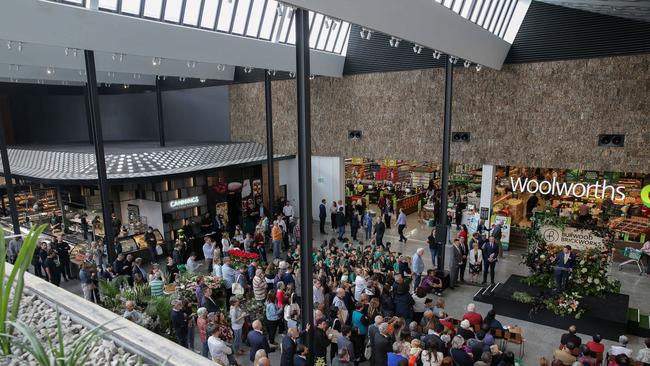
[
  {"x": 292, "y": 74},
  {"x": 478, "y": 67},
  {"x": 365, "y": 33},
  {"x": 467, "y": 64},
  {"x": 191, "y": 64},
  {"x": 136, "y": 76},
  {"x": 220, "y": 67},
  {"x": 271, "y": 72},
  {"x": 126, "y": 86},
  {"x": 417, "y": 48},
  {"x": 312, "y": 77},
  {"x": 66, "y": 51},
  {"x": 49, "y": 71},
  {"x": 436, "y": 54},
  {"x": 453, "y": 59},
  {"x": 118, "y": 57},
  {"x": 280, "y": 9},
  {"x": 181, "y": 79},
  {"x": 75, "y": 51},
  {"x": 14, "y": 67},
  {"x": 9, "y": 45},
  {"x": 82, "y": 72},
  {"x": 111, "y": 74},
  {"x": 156, "y": 61},
  {"x": 248, "y": 69},
  {"x": 394, "y": 42},
  {"x": 202, "y": 80},
  {"x": 20, "y": 46}
]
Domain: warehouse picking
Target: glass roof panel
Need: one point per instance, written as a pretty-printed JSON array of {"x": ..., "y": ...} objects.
[
  {"x": 325, "y": 30},
  {"x": 255, "y": 18},
  {"x": 315, "y": 30},
  {"x": 209, "y": 13},
  {"x": 340, "y": 43},
  {"x": 331, "y": 42},
  {"x": 173, "y": 10},
  {"x": 225, "y": 16},
  {"x": 152, "y": 8},
  {"x": 241, "y": 17},
  {"x": 268, "y": 20},
  {"x": 131, "y": 6},
  {"x": 287, "y": 21},
  {"x": 191, "y": 15},
  {"x": 108, "y": 4}
]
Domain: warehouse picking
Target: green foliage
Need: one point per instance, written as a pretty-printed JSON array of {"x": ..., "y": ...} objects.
[
  {"x": 139, "y": 294},
  {"x": 523, "y": 297},
  {"x": 161, "y": 308},
  {"x": 16, "y": 281},
  {"x": 50, "y": 354}
]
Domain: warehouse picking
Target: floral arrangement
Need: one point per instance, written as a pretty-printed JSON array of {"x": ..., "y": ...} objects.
[
  {"x": 240, "y": 257},
  {"x": 187, "y": 283},
  {"x": 590, "y": 277}
]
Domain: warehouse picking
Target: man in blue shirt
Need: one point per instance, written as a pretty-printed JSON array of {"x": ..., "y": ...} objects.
[
  {"x": 401, "y": 225},
  {"x": 417, "y": 266}
]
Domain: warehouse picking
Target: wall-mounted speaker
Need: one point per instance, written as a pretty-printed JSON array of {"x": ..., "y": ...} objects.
[
  {"x": 460, "y": 137},
  {"x": 354, "y": 135},
  {"x": 611, "y": 140}
]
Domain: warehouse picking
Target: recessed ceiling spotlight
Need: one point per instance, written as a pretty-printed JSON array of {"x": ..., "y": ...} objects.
[{"x": 417, "y": 48}]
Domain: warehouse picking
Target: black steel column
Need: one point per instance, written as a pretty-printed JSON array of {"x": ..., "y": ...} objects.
[
  {"x": 304, "y": 166},
  {"x": 161, "y": 121},
  {"x": 269, "y": 142},
  {"x": 9, "y": 183},
  {"x": 87, "y": 104},
  {"x": 96, "y": 125},
  {"x": 441, "y": 228}
]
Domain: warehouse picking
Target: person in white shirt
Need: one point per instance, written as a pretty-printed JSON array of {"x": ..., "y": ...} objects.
[
  {"x": 192, "y": 265},
  {"x": 219, "y": 350},
  {"x": 644, "y": 354},
  {"x": 287, "y": 210},
  {"x": 208, "y": 250},
  {"x": 318, "y": 297},
  {"x": 620, "y": 348},
  {"x": 360, "y": 283},
  {"x": 216, "y": 267},
  {"x": 225, "y": 243},
  {"x": 237, "y": 318}
]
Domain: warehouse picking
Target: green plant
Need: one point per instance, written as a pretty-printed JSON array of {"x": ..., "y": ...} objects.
[
  {"x": 16, "y": 281},
  {"x": 161, "y": 308},
  {"x": 75, "y": 354},
  {"x": 523, "y": 297}
]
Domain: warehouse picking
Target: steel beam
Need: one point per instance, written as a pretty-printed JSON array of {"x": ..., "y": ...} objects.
[
  {"x": 96, "y": 124},
  {"x": 425, "y": 22},
  {"x": 54, "y": 24}
]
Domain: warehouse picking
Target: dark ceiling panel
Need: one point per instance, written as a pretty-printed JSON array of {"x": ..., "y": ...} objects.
[
  {"x": 551, "y": 32},
  {"x": 631, "y": 9}
]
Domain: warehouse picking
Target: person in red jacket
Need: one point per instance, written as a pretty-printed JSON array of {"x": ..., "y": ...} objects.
[{"x": 472, "y": 316}]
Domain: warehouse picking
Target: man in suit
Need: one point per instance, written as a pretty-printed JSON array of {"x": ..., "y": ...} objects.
[
  {"x": 322, "y": 215},
  {"x": 464, "y": 249},
  {"x": 300, "y": 358},
  {"x": 434, "y": 337},
  {"x": 382, "y": 346},
  {"x": 564, "y": 264},
  {"x": 289, "y": 347},
  {"x": 343, "y": 341},
  {"x": 257, "y": 340},
  {"x": 380, "y": 229},
  {"x": 455, "y": 263},
  {"x": 490, "y": 257}
]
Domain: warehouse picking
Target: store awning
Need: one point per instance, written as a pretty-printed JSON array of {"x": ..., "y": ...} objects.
[{"x": 129, "y": 161}]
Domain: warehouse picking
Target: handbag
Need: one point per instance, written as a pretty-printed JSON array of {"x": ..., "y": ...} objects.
[
  {"x": 367, "y": 353},
  {"x": 237, "y": 288}
]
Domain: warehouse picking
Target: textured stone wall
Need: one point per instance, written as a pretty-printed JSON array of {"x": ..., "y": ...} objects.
[{"x": 542, "y": 114}]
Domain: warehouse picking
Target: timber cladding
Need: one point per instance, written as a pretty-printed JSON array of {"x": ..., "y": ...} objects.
[{"x": 538, "y": 114}]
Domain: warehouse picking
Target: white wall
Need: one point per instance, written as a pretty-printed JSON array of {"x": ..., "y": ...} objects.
[
  {"x": 152, "y": 210},
  {"x": 328, "y": 180}
]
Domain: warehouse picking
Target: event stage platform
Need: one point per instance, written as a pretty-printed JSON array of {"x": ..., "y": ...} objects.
[{"x": 606, "y": 316}]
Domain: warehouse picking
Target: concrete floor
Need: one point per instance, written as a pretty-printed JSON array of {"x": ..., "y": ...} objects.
[{"x": 540, "y": 340}]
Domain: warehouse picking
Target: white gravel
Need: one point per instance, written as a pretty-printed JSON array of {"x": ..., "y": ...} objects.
[{"x": 42, "y": 319}]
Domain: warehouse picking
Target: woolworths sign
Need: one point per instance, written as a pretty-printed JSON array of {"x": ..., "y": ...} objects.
[{"x": 596, "y": 190}]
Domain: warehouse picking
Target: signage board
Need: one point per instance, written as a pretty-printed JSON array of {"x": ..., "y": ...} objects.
[
  {"x": 505, "y": 229},
  {"x": 578, "y": 190},
  {"x": 184, "y": 203},
  {"x": 576, "y": 238},
  {"x": 485, "y": 213}
]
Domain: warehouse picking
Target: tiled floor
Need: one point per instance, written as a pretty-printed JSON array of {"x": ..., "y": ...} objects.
[{"x": 540, "y": 340}]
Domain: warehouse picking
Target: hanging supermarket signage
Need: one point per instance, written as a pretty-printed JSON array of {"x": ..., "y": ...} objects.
[
  {"x": 579, "y": 190},
  {"x": 183, "y": 203},
  {"x": 577, "y": 239}
]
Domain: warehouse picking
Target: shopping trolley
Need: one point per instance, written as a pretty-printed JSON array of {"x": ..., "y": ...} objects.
[{"x": 634, "y": 256}]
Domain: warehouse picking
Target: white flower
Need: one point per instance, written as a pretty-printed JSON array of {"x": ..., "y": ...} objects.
[
  {"x": 596, "y": 281},
  {"x": 590, "y": 279},
  {"x": 582, "y": 262},
  {"x": 584, "y": 270}
]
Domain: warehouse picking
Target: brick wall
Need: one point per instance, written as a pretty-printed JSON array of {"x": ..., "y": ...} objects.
[{"x": 541, "y": 114}]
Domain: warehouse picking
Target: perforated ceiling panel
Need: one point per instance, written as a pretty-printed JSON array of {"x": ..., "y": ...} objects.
[{"x": 76, "y": 165}]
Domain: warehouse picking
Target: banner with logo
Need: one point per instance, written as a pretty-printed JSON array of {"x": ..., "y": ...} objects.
[
  {"x": 577, "y": 239},
  {"x": 505, "y": 229}
]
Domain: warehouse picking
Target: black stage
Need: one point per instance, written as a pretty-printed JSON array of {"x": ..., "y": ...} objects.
[{"x": 606, "y": 316}]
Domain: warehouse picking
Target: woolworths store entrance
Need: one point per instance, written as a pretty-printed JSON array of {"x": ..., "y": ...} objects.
[{"x": 582, "y": 197}]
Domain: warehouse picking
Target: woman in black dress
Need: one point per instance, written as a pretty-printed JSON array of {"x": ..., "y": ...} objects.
[{"x": 53, "y": 267}]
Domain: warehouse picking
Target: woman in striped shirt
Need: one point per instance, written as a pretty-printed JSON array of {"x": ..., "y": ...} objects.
[
  {"x": 157, "y": 285},
  {"x": 259, "y": 286}
]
